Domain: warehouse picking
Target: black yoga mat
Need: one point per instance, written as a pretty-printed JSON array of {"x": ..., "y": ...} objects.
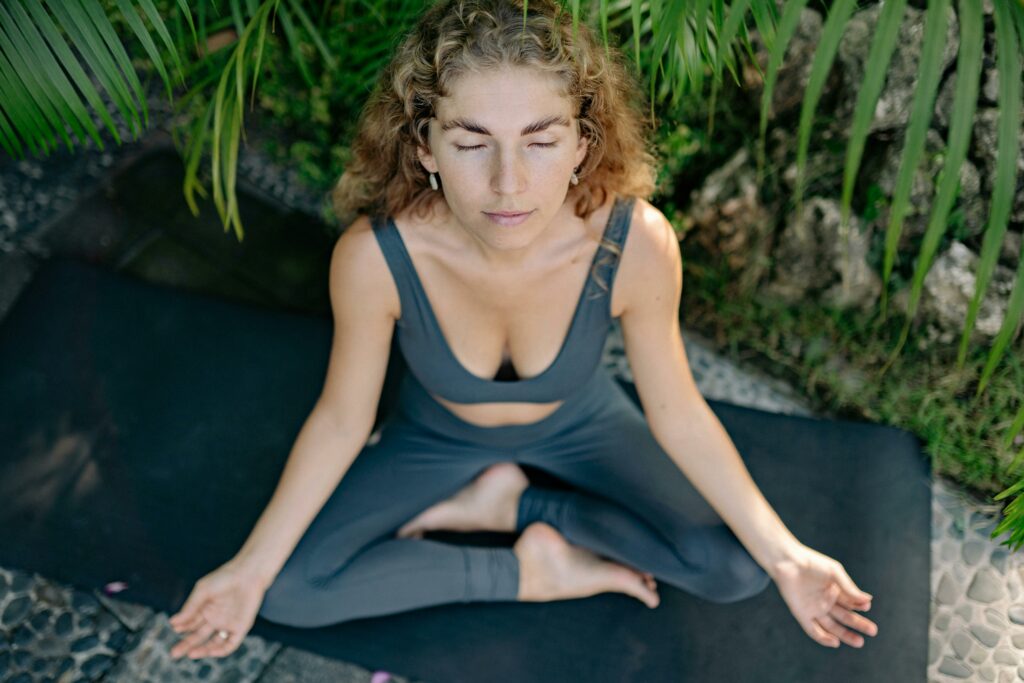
[{"x": 143, "y": 430}]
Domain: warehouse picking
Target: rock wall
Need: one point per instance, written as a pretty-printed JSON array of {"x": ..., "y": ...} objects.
[{"x": 804, "y": 257}]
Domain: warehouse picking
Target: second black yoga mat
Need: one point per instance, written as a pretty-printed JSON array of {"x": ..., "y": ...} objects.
[{"x": 144, "y": 429}]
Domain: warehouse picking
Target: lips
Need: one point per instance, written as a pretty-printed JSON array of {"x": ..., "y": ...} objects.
[
  {"x": 508, "y": 219},
  {"x": 507, "y": 213}
]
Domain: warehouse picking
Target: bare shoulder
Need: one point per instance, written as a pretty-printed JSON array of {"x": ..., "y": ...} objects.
[
  {"x": 359, "y": 274},
  {"x": 650, "y": 261}
]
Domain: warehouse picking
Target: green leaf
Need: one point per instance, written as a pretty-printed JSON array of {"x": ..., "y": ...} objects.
[
  {"x": 737, "y": 13},
  {"x": 703, "y": 8},
  {"x": 187, "y": 13},
  {"x": 84, "y": 37},
  {"x": 929, "y": 72},
  {"x": 1008, "y": 65},
  {"x": 635, "y": 14},
  {"x": 1015, "y": 428},
  {"x": 54, "y": 85},
  {"x": 293, "y": 43},
  {"x": 70, "y": 64},
  {"x": 236, "y": 15},
  {"x": 165, "y": 36},
  {"x": 1010, "y": 491},
  {"x": 16, "y": 105},
  {"x": 132, "y": 17},
  {"x": 787, "y": 27},
  {"x": 887, "y": 30},
  {"x": 764, "y": 19},
  {"x": 318, "y": 40},
  {"x": 193, "y": 155},
  {"x": 824, "y": 56},
  {"x": 968, "y": 73},
  {"x": 261, "y": 37},
  {"x": 663, "y": 32},
  {"x": 106, "y": 31},
  {"x": 38, "y": 93}
]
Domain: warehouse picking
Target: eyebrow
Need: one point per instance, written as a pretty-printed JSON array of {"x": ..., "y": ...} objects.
[{"x": 535, "y": 127}]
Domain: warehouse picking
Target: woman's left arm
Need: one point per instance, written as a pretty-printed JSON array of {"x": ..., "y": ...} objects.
[{"x": 816, "y": 588}]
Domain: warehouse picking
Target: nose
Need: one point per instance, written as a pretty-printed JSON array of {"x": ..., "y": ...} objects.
[{"x": 509, "y": 174}]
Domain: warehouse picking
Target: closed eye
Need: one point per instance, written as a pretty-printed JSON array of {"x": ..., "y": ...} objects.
[{"x": 463, "y": 148}]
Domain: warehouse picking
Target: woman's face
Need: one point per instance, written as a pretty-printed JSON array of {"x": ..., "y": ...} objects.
[{"x": 502, "y": 141}]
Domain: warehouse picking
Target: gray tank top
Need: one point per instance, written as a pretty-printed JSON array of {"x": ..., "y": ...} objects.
[{"x": 432, "y": 363}]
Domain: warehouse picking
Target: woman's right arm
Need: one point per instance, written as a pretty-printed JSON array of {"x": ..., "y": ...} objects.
[{"x": 364, "y": 303}]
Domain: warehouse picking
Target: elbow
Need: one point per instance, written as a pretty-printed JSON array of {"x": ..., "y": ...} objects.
[{"x": 344, "y": 425}]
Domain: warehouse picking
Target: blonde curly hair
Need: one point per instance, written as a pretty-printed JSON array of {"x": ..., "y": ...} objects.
[{"x": 454, "y": 37}]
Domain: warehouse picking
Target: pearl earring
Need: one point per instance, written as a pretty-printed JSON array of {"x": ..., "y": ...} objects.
[
  {"x": 574, "y": 179},
  {"x": 433, "y": 181}
]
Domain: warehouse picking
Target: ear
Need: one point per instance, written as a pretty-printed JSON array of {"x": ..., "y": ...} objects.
[
  {"x": 581, "y": 150},
  {"x": 425, "y": 157}
]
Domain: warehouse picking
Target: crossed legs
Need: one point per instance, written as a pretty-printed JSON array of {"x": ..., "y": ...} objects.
[{"x": 630, "y": 504}]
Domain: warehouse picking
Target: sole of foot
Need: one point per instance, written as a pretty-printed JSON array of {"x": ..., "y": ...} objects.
[
  {"x": 551, "y": 568},
  {"x": 489, "y": 503}
]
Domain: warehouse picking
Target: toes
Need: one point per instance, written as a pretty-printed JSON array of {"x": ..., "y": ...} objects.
[{"x": 651, "y": 599}]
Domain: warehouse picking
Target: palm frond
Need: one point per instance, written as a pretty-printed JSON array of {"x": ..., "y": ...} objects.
[
  {"x": 132, "y": 17},
  {"x": 824, "y": 56},
  {"x": 225, "y": 113},
  {"x": 1008, "y": 64},
  {"x": 929, "y": 73},
  {"x": 26, "y": 48},
  {"x": 875, "y": 69},
  {"x": 786, "y": 29},
  {"x": 1014, "y": 430},
  {"x": 965, "y": 99}
]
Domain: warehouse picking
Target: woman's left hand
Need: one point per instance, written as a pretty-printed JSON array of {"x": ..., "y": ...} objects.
[{"x": 822, "y": 597}]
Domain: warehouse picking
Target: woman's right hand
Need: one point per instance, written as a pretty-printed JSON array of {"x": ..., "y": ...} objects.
[{"x": 226, "y": 599}]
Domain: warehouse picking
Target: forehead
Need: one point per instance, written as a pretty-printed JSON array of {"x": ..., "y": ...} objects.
[{"x": 509, "y": 93}]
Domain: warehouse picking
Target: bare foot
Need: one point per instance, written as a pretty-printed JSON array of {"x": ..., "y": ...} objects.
[
  {"x": 551, "y": 568},
  {"x": 488, "y": 503}
]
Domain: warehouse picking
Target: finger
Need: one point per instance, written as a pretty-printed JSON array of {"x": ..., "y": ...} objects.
[
  {"x": 861, "y": 623},
  {"x": 851, "y": 603},
  {"x": 219, "y": 647},
  {"x": 844, "y": 634},
  {"x": 184, "y": 626},
  {"x": 194, "y": 639},
  {"x": 850, "y": 588},
  {"x": 192, "y": 605},
  {"x": 817, "y": 633}
]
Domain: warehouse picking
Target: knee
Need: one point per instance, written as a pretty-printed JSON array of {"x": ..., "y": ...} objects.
[
  {"x": 295, "y": 598},
  {"x": 728, "y": 573},
  {"x": 283, "y": 600},
  {"x": 740, "y": 577}
]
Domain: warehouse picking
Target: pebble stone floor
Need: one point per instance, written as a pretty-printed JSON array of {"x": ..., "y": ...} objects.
[{"x": 53, "y": 632}]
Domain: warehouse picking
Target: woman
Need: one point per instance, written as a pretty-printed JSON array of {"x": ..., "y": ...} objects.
[{"x": 504, "y": 163}]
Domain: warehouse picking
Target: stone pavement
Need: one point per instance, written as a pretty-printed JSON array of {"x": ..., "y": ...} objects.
[{"x": 52, "y": 632}]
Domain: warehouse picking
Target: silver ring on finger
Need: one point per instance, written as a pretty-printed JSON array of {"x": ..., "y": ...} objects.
[{"x": 223, "y": 635}]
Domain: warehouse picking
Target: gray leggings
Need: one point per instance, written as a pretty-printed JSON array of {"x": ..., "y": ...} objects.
[{"x": 630, "y": 502}]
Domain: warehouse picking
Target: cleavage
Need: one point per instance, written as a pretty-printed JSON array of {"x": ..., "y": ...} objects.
[{"x": 507, "y": 371}]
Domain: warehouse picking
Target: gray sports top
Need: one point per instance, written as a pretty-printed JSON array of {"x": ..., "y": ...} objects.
[{"x": 432, "y": 362}]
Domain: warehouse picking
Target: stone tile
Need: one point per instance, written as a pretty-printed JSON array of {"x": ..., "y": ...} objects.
[
  {"x": 56, "y": 629},
  {"x": 150, "y": 661},
  {"x": 298, "y": 666}
]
